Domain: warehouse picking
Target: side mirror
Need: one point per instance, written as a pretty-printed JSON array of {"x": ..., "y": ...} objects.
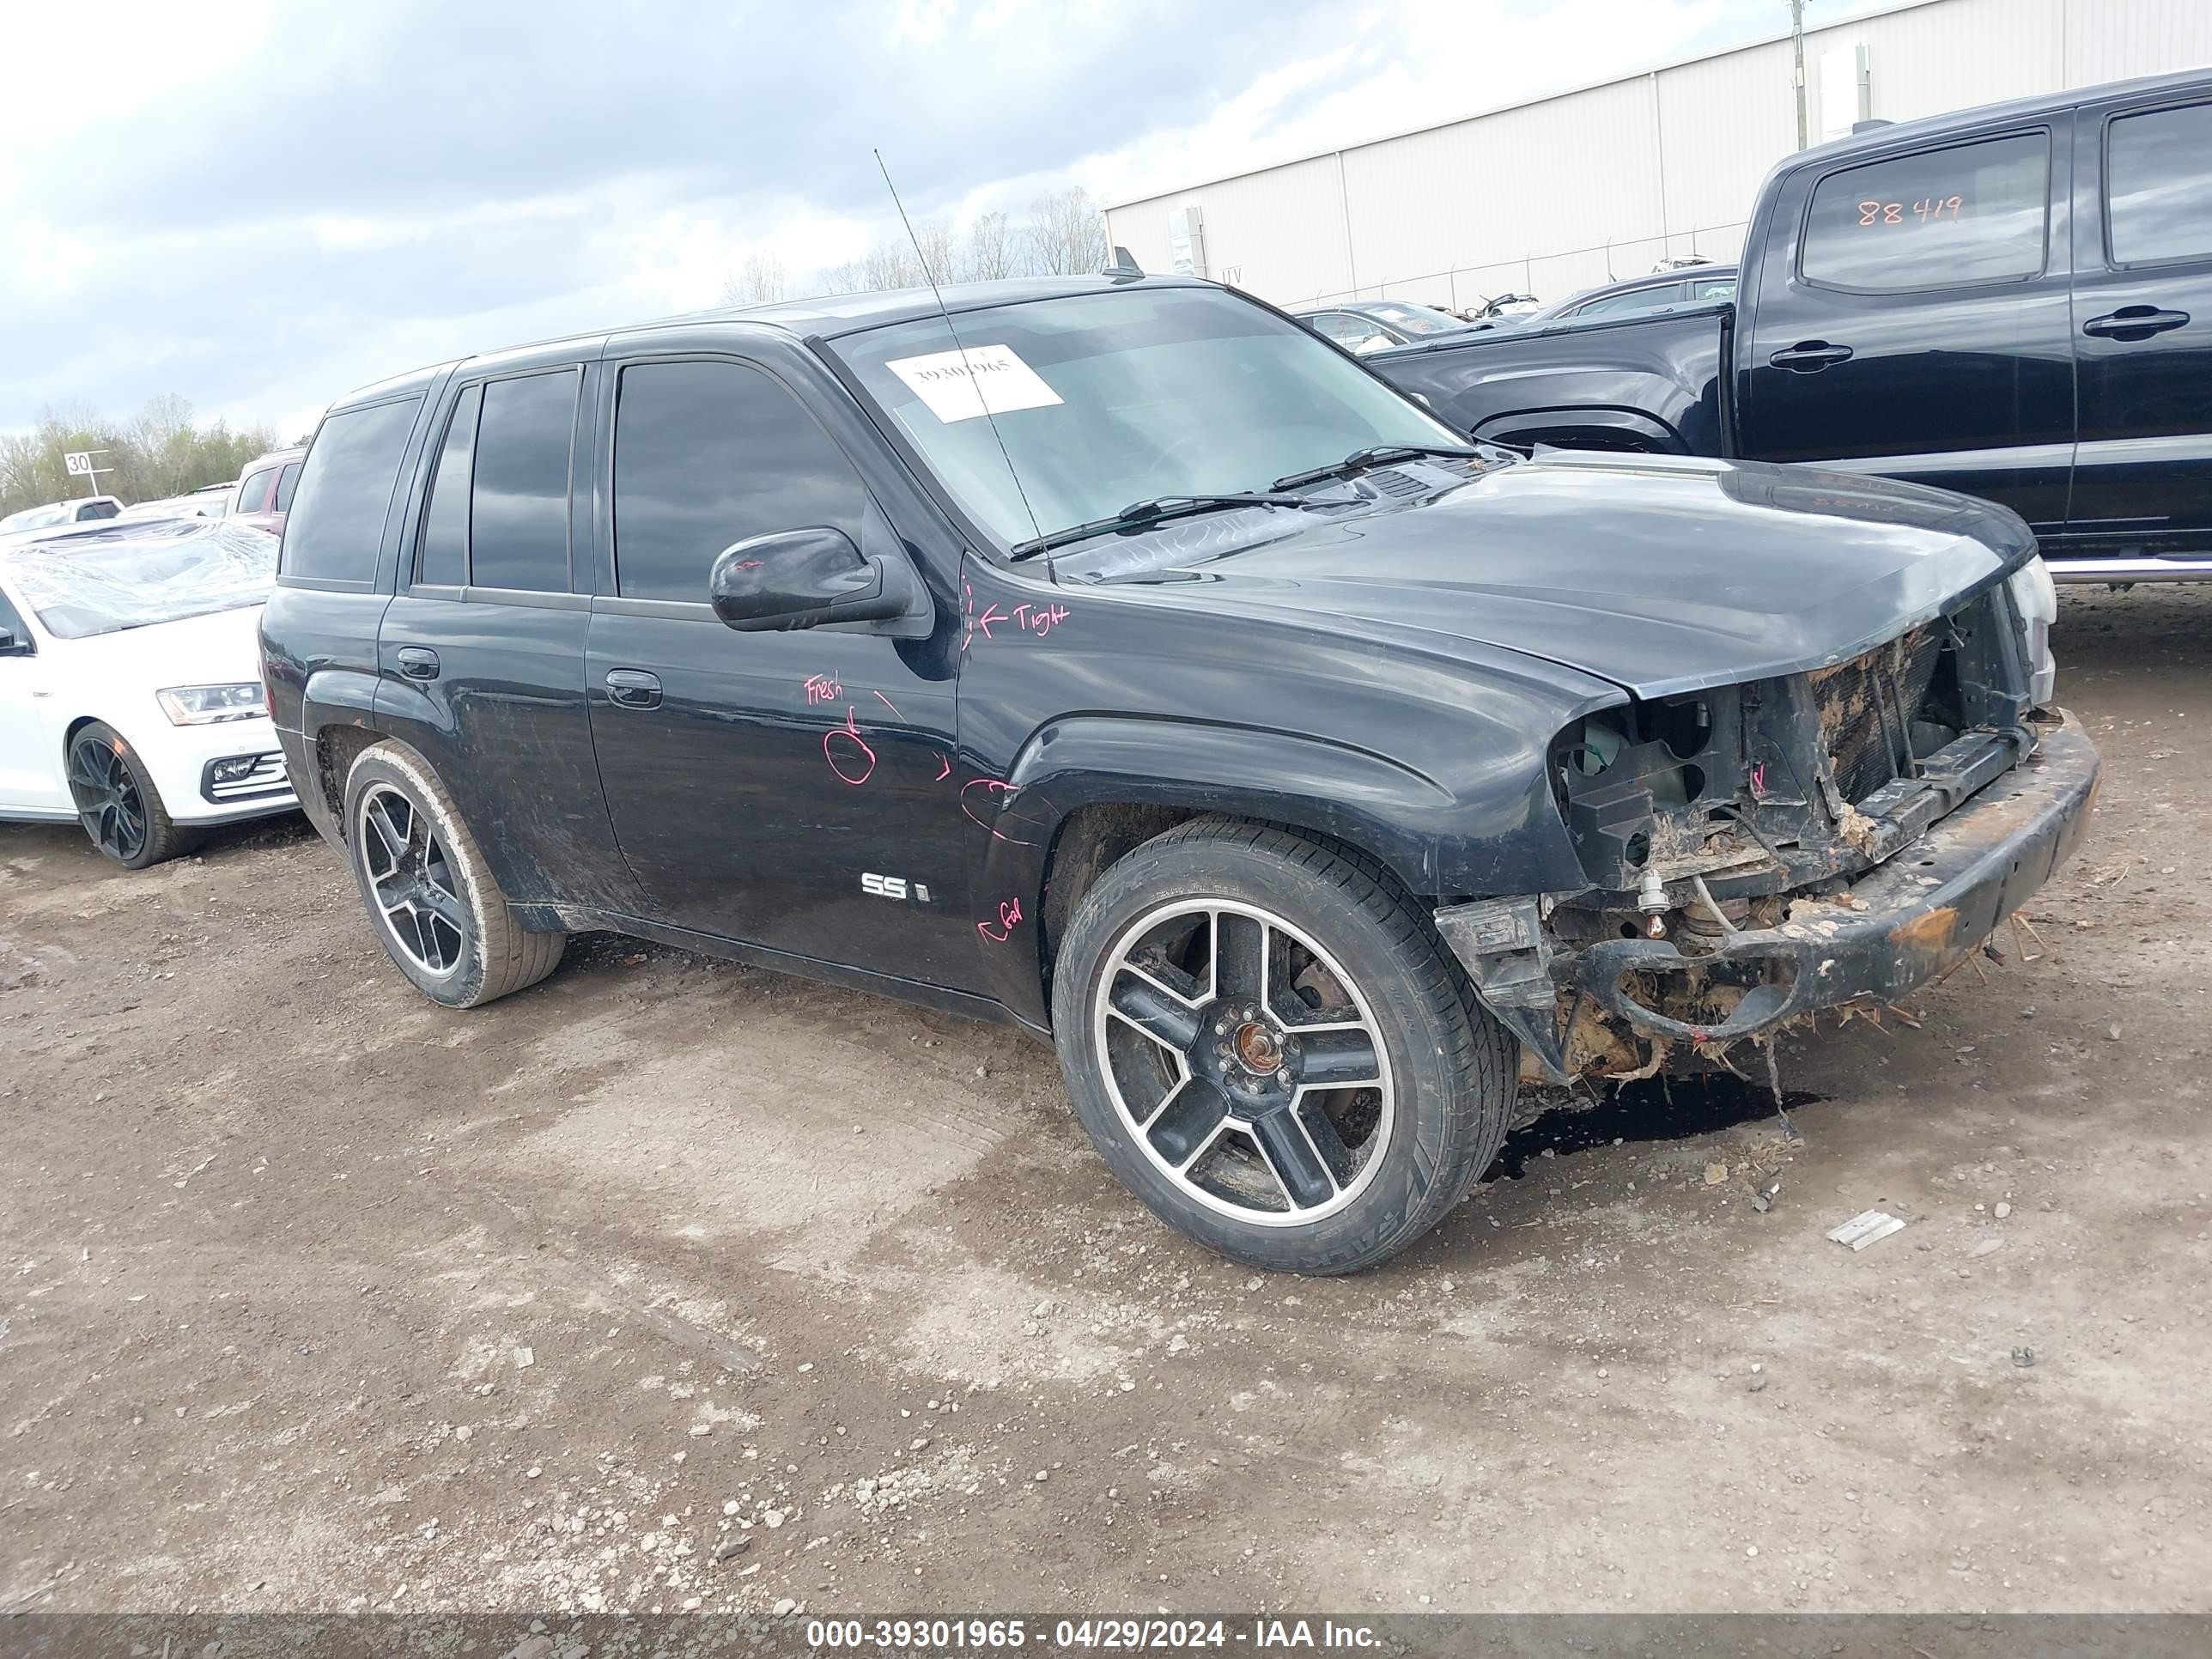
[
  {"x": 805, "y": 578},
  {"x": 10, "y": 646}
]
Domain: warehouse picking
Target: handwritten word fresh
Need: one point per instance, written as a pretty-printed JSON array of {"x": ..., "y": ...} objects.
[{"x": 823, "y": 688}]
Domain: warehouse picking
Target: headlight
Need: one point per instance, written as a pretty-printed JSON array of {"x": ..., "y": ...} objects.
[
  {"x": 205, "y": 705},
  {"x": 2035, "y": 596}
]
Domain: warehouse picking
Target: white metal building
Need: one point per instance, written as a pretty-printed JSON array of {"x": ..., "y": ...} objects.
[{"x": 1567, "y": 192}]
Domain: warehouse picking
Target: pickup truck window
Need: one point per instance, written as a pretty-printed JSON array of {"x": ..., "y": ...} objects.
[
  {"x": 1138, "y": 394},
  {"x": 2158, "y": 184},
  {"x": 1945, "y": 218},
  {"x": 1657, "y": 297},
  {"x": 518, "y": 504},
  {"x": 709, "y": 454}
]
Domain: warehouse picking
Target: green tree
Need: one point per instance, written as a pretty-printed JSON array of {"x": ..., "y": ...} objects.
[{"x": 160, "y": 452}]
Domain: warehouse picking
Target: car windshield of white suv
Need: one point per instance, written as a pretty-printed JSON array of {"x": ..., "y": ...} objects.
[
  {"x": 1104, "y": 400},
  {"x": 134, "y": 574},
  {"x": 1416, "y": 319}
]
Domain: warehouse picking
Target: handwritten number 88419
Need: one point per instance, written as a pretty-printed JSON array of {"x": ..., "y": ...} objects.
[{"x": 1926, "y": 210}]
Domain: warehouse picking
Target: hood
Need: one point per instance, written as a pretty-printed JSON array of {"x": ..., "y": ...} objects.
[
  {"x": 1660, "y": 573},
  {"x": 221, "y": 647}
]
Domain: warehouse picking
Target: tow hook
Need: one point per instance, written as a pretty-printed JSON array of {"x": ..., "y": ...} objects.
[{"x": 1652, "y": 897}]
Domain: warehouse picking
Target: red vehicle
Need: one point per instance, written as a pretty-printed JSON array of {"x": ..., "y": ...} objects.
[{"x": 264, "y": 494}]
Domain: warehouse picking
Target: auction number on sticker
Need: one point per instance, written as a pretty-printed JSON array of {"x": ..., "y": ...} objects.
[
  {"x": 1928, "y": 210},
  {"x": 905, "y": 1635}
]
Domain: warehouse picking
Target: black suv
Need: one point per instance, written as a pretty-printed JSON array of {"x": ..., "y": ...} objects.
[{"x": 1114, "y": 656}]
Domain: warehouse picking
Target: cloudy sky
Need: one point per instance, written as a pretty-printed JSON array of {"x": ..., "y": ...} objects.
[{"x": 261, "y": 203}]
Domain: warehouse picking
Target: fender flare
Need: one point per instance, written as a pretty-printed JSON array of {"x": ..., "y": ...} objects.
[{"x": 1364, "y": 799}]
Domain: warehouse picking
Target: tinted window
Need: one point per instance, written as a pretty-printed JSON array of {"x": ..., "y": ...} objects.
[
  {"x": 2158, "y": 185},
  {"x": 92, "y": 511},
  {"x": 12, "y": 623},
  {"x": 519, "y": 509},
  {"x": 445, "y": 556},
  {"x": 1714, "y": 287},
  {"x": 1945, "y": 218},
  {"x": 254, "y": 493},
  {"x": 707, "y": 454},
  {"x": 337, "y": 526},
  {"x": 287, "y": 482}
]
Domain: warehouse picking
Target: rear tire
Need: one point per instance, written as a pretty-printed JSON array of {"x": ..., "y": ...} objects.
[
  {"x": 116, "y": 802},
  {"x": 1266, "y": 1040},
  {"x": 431, "y": 896}
]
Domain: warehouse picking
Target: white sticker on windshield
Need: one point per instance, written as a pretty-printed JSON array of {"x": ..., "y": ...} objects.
[{"x": 960, "y": 385}]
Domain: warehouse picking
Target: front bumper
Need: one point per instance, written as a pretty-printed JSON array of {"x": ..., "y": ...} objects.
[{"x": 1905, "y": 921}]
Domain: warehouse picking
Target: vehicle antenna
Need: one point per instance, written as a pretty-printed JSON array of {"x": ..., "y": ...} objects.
[{"x": 945, "y": 310}]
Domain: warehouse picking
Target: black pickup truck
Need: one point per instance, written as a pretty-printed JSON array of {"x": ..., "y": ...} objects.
[
  {"x": 1114, "y": 656},
  {"x": 2014, "y": 302}
]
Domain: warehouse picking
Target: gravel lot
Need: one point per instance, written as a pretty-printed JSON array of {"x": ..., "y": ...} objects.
[{"x": 673, "y": 1282}]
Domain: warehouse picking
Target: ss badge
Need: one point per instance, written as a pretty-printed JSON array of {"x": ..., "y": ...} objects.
[{"x": 893, "y": 887}]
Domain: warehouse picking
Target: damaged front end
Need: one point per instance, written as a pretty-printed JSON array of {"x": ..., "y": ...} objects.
[{"x": 1759, "y": 852}]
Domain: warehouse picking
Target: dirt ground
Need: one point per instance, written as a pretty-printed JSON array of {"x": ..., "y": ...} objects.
[{"x": 675, "y": 1283}]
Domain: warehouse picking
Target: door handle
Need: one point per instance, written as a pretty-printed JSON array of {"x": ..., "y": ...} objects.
[
  {"x": 2134, "y": 323},
  {"x": 418, "y": 662},
  {"x": 1809, "y": 356},
  {"x": 633, "y": 687}
]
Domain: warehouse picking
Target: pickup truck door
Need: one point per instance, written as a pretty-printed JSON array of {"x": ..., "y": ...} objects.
[
  {"x": 1910, "y": 319},
  {"x": 2143, "y": 325},
  {"x": 783, "y": 789}
]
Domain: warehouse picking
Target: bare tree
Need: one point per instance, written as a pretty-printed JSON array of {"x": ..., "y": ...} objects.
[
  {"x": 1066, "y": 233},
  {"x": 993, "y": 251},
  {"x": 759, "y": 281},
  {"x": 935, "y": 247}
]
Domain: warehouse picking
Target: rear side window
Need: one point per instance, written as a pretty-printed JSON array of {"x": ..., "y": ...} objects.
[
  {"x": 337, "y": 526},
  {"x": 445, "y": 556},
  {"x": 519, "y": 507},
  {"x": 1944, "y": 218},
  {"x": 2158, "y": 187},
  {"x": 288, "y": 482},
  {"x": 254, "y": 493},
  {"x": 709, "y": 454}
]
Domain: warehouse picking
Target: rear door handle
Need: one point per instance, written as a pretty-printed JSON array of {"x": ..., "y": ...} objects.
[
  {"x": 633, "y": 687},
  {"x": 418, "y": 662},
  {"x": 1809, "y": 356},
  {"x": 2134, "y": 323}
]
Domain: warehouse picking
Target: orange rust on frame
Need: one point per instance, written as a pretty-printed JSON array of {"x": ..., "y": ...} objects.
[{"x": 1934, "y": 932}]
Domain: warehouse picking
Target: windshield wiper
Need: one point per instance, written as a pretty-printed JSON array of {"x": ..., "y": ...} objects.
[
  {"x": 1378, "y": 455},
  {"x": 1158, "y": 510}
]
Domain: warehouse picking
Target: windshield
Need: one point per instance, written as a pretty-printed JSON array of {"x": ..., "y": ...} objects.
[
  {"x": 137, "y": 572},
  {"x": 1106, "y": 399},
  {"x": 1416, "y": 319}
]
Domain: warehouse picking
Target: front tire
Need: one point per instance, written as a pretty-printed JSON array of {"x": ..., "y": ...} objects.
[
  {"x": 116, "y": 802},
  {"x": 1267, "y": 1042},
  {"x": 431, "y": 896}
]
